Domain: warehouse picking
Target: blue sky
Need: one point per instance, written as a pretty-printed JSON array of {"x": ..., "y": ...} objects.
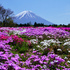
[{"x": 56, "y": 11}]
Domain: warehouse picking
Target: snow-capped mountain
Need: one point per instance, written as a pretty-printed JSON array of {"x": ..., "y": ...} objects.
[{"x": 28, "y": 16}]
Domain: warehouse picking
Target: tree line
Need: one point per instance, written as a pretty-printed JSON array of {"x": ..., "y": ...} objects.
[{"x": 41, "y": 25}]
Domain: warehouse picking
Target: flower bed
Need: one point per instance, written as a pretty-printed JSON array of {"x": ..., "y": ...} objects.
[{"x": 40, "y": 48}]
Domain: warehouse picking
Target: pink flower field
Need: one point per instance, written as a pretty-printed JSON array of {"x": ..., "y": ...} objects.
[{"x": 34, "y": 48}]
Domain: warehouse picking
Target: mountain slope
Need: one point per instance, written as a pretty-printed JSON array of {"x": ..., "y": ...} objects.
[{"x": 28, "y": 16}]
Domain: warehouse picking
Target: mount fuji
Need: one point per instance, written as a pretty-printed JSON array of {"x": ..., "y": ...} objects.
[{"x": 28, "y": 16}]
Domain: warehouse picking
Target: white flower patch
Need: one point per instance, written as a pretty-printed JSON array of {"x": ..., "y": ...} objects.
[
  {"x": 67, "y": 43},
  {"x": 44, "y": 66},
  {"x": 55, "y": 61},
  {"x": 34, "y": 41},
  {"x": 17, "y": 31},
  {"x": 38, "y": 46},
  {"x": 69, "y": 51},
  {"x": 45, "y": 40},
  {"x": 22, "y": 31},
  {"x": 33, "y": 49},
  {"x": 42, "y": 42},
  {"x": 65, "y": 57},
  {"x": 48, "y": 42},
  {"x": 66, "y": 40},
  {"x": 59, "y": 50},
  {"x": 53, "y": 41},
  {"x": 52, "y": 63},
  {"x": 68, "y": 61}
]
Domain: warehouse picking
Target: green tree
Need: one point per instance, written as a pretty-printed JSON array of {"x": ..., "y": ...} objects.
[{"x": 35, "y": 24}]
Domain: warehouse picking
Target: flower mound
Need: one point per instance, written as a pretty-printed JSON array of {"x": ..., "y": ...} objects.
[{"x": 49, "y": 62}]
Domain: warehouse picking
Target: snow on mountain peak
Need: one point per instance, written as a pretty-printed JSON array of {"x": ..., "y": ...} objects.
[{"x": 27, "y": 13}]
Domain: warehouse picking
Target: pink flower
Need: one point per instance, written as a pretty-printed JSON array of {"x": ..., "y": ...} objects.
[{"x": 22, "y": 54}]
